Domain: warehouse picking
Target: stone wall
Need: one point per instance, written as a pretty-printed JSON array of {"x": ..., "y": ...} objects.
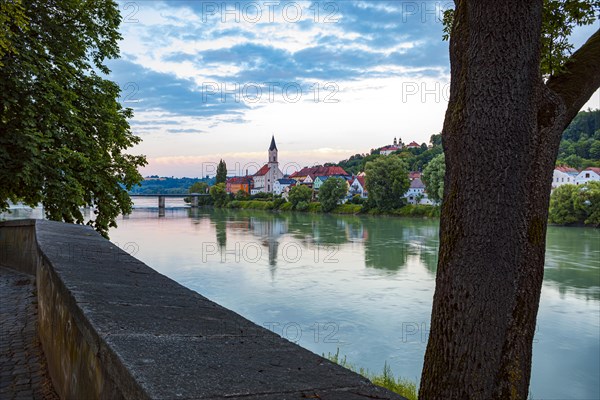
[{"x": 113, "y": 328}]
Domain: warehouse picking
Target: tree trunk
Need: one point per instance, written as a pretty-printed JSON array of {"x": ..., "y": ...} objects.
[{"x": 501, "y": 136}]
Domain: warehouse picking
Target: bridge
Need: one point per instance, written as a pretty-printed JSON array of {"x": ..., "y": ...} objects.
[{"x": 162, "y": 196}]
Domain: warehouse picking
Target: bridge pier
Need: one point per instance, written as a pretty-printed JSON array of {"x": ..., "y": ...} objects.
[
  {"x": 195, "y": 200},
  {"x": 161, "y": 202}
]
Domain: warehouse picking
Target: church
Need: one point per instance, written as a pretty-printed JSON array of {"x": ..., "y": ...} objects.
[{"x": 265, "y": 177}]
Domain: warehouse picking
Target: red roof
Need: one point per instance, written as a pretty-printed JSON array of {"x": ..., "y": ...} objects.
[
  {"x": 263, "y": 171},
  {"x": 389, "y": 148},
  {"x": 239, "y": 180},
  {"x": 413, "y": 144},
  {"x": 595, "y": 169},
  {"x": 414, "y": 175},
  {"x": 361, "y": 180},
  {"x": 566, "y": 169},
  {"x": 319, "y": 171}
]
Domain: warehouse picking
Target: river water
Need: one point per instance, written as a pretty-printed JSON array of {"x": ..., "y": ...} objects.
[{"x": 363, "y": 285}]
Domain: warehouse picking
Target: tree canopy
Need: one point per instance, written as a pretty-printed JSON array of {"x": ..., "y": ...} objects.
[
  {"x": 387, "y": 182},
  {"x": 331, "y": 192},
  {"x": 433, "y": 177},
  {"x": 221, "y": 172},
  {"x": 64, "y": 134}
]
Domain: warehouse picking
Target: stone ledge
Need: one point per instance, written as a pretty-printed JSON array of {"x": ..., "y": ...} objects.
[{"x": 112, "y": 327}]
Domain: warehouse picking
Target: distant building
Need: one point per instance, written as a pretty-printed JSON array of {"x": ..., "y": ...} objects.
[
  {"x": 412, "y": 175},
  {"x": 416, "y": 193},
  {"x": 387, "y": 150},
  {"x": 237, "y": 183},
  {"x": 359, "y": 187},
  {"x": 265, "y": 177},
  {"x": 318, "y": 171},
  {"x": 587, "y": 175},
  {"x": 413, "y": 145},
  {"x": 281, "y": 184},
  {"x": 563, "y": 175}
]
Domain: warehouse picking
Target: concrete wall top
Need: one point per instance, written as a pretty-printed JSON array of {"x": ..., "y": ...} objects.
[{"x": 157, "y": 339}]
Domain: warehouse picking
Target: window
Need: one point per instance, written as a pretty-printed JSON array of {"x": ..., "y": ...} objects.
[
  {"x": 563, "y": 179},
  {"x": 587, "y": 175}
]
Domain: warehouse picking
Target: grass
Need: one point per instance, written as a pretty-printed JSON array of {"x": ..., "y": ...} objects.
[{"x": 386, "y": 379}]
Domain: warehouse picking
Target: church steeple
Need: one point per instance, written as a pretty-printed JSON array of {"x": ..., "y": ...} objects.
[{"x": 273, "y": 151}]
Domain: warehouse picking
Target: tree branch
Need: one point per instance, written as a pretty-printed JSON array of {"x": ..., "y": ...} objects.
[{"x": 580, "y": 77}]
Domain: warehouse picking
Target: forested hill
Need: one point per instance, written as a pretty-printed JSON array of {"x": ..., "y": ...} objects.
[
  {"x": 580, "y": 144},
  {"x": 579, "y": 147},
  {"x": 155, "y": 185}
]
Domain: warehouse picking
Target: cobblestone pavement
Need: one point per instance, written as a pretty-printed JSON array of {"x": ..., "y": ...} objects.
[{"x": 23, "y": 372}]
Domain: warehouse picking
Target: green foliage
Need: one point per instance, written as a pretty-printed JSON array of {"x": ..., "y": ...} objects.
[
  {"x": 221, "y": 172},
  {"x": 347, "y": 208},
  {"x": 558, "y": 20},
  {"x": 64, "y": 134},
  {"x": 433, "y": 177},
  {"x": 299, "y": 193},
  {"x": 387, "y": 182},
  {"x": 356, "y": 199},
  {"x": 386, "y": 379},
  {"x": 575, "y": 204},
  {"x": 287, "y": 206},
  {"x": 331, "y": 192},
  {"x": 241, "y": 195},
  {"x": 219, "y": 195},
  {"x": 580, "y": 143},
  {"x": 314, "y": 207},
  {"x": 13, "y": 20},
  {"x": 302, "y": 206},
  {"x": 418, "y": 210},
  {"x": 198, "y": 187}
]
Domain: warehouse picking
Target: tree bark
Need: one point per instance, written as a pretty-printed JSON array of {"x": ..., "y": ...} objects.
[{"x": 501, "y": 135}]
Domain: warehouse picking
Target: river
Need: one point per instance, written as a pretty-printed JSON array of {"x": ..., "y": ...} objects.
[{"x": 364, "y": 285}]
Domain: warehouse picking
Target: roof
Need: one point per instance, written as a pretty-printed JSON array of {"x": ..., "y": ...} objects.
[
  {"x": 320, "y": 171},
  {"x": 594, "y": 169},
  {"x": 263, "y": 171},
  {"x": 566, "y": 170},
  {"x": 390, "y": 148},
  {"x": 361, "y": 180},
  {"x": 414, "y": 175},
  {"x": 239, "y": 179},
  {"x": 273, "y": 146},
  {"x": 413, "y": 143},
  {"x": 285, "y": 181},
  {"x": 417, "y": 183},
  {"x": 322, "y": 178}
]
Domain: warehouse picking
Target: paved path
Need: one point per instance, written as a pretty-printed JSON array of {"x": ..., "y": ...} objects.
[{"x": 23, "y": 373}]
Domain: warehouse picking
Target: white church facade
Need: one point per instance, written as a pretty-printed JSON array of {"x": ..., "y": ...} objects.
[{"x": 265, "y": 178}]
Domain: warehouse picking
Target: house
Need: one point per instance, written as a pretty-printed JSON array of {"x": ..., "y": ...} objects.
[
  {"x": 412, "y": 175},
  {"x": 413, "y": 145},
  {"x": 319, "y": 180},
  {"x": 281, "y": 184},
  {"x": 265, "y": 177},
  {"x": 237, "y": 183},
  {"x": 562, "y": 175},
  {"x": 387, "y": 150},
  {"x": 359, "y": 187},
  {"x": 318, "y": 171},
  {"x": 587, "y": 175},
  {"x": 416, "y": 193}
]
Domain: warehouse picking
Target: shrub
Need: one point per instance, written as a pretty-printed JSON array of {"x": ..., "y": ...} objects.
[{"x": 302, "y": 206}]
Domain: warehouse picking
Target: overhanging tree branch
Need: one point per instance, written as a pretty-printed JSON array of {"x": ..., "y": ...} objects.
[{"x": 579, "y": 79}]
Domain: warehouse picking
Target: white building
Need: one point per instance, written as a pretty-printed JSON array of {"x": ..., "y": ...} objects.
[
  {"x": 563, "y": 175},
  {"x": 280, "y": 185},
  {"x": 416, "y": 193},
  {"x": 264, "y": 178},
  {"x": 587, "y": 175},
  {"x": 359, "y": 187}
]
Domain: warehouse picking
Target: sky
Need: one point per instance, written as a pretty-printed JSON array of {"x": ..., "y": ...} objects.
[{"x": 211, "y": 80}]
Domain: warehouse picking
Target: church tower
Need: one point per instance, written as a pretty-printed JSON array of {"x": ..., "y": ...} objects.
[{"x": 273, "y": 152}]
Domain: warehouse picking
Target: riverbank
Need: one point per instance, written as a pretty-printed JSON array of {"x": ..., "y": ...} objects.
[{"x": 409, "y": 210}]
